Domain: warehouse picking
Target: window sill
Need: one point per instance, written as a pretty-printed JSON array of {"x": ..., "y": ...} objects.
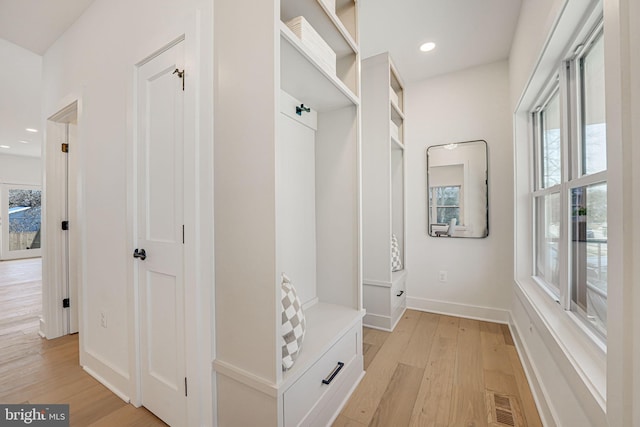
[{"x": 585, "y": 353}]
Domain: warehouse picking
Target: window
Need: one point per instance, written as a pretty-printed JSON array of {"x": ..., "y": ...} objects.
[
  {"x": 444, "y": 203},
  {"x": 550, "y": 142},
  {"x": 570, "y": 188}
]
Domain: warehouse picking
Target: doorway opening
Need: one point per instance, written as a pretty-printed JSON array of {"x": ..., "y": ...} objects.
[{"x": 62, "y": 257}]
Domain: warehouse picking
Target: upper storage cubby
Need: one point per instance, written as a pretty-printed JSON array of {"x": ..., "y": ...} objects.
[
  {"x": 396, "y": 99},
  {"x": 328, "y": 29}
]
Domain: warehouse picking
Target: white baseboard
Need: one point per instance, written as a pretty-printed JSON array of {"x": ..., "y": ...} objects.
[
  {"x": 537, "y": 389},
  {"x": 459, "y": 310},
  {"x": 43, "y": 328},
  {"x": 107, "y": 384}
]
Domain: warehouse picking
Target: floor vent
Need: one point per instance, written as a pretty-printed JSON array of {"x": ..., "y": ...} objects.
[
  {"x": 505, "y": 418},
  {"x": 504, "y": 410}
]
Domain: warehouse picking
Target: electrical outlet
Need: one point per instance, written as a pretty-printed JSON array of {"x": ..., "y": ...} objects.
[
  {"x": 103, "y": 319},
  {"x": 442, "y": 276}
]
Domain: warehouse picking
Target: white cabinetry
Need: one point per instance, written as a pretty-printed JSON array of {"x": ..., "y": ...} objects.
[
  {"x": 287, "y": 200},
  {"x": 383, "y": 191}
]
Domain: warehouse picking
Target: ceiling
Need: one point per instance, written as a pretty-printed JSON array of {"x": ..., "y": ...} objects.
[
  {"x": 27, "y": 29},
  {"x": 36, "y": 24},
  {"x": 467, "y": 33}
]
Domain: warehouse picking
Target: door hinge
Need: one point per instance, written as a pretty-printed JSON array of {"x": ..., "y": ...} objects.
[
  {"x": 66, "y": 303},
  {"x": 65, "y": 147},
  {"x": 183, "y": 234},
  {"x": 185, "y": 386},
  {"x": 65, "y": 225}
]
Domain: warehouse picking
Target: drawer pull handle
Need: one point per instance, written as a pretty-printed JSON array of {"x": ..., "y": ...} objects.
[
  {"x": 400, "y": 294},
  {"x": 333, "y": 373}
]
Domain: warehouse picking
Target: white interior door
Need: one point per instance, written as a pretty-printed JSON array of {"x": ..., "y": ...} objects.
[{"x": 160, "y": 234}]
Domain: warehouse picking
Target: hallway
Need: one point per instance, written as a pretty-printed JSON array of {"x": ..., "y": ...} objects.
[{"x": 36, "y": 370}]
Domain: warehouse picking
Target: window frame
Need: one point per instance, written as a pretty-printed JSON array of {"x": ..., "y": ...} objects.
[
  {"x": 568, "y": 82},
  {"x": 434, "y": 208}
]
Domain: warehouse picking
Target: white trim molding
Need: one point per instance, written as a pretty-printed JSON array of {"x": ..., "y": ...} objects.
[{"x": 489, "y": 314}]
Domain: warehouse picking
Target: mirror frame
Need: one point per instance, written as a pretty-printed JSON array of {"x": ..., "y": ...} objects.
[{"x": 440, "y": 234}]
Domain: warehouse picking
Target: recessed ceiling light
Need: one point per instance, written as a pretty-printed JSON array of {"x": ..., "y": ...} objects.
[
  {"x": 23, "y": 142},
  {"x": 31, "y": 130},
  {"x": 4, "y": 146},
  {"x": 426, "y": 47}
]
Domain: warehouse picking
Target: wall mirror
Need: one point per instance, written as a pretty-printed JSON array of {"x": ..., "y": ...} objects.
[{"x": 457, "y": 193}]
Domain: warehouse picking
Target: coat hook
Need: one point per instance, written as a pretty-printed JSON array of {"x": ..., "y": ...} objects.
[
  {"x": 180, "y": 75},
  {"x": 302, "y": 108}
]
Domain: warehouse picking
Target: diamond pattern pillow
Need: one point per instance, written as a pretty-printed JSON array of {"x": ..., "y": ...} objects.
[
  {"x": 396, "y": 262},
  {"x": 293, "y": 323}
]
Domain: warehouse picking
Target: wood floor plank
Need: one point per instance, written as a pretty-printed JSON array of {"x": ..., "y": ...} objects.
[
  {"x": 139, "y": 417},
  {"x": 469, "y": 362},
  {"x": 501, "y": 383},
  {"x": 531, "y": 414},
  {"x": 374, "y": 336},
  {"x": 433, "y": 402},
  {"x": 343, "y": 421},
  {"x": 364, "y": 401},
  {"x": 494, "y": 351},
  {"x": 468, "y": 408},
  {"x": 506, "y": 333},
  {"x": 369, "y": 352},
  {"x": 417, "y": 352},
  {"x": 93, "y": 405},
  {"x": 398, "y": 400},
  {"x": 491, "y": 333}
]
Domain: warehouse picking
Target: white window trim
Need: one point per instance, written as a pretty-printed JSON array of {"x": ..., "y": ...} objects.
[
  {"x": 565, "y": 83},
  {"x": 559, "y": 329}
]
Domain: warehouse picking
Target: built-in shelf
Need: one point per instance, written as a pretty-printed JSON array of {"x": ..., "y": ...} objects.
[
  {"x": 303, "y": 77},
  {"x": 396, "y": 143},
  {"x": 324, "y": 21},
  {"x": 383, "y": 174},
  {"x": 397, "y": 116}
]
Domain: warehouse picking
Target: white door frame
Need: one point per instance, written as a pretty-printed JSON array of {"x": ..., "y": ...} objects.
[
  {"x": 197, "y": 33},
  {"x": 55, "y": 319}
]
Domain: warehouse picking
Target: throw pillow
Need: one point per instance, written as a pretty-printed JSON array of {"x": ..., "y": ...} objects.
[
  {"x": 396, "y": 262},
  {"x": 293, "y": 323}
]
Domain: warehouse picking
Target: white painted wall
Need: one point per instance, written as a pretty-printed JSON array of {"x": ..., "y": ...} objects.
[
  {"x": 94, "y": 61},
  {"x": 537, "y": 17},
  {"x": 467, "y": 105},
  {"x": 20, "y": 170}
]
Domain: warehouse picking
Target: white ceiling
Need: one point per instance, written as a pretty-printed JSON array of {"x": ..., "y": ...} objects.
[
  {"x": 36, "y": 24},
  {"x": 27, "y": 29},
  {"x": 466, "y": 32}
]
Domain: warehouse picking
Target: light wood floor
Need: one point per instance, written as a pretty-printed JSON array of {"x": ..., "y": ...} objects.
[
  {"x": 36, "y": 370},
  {"x": 431, "y": 371},
  {"x": 438, "y": 370}
]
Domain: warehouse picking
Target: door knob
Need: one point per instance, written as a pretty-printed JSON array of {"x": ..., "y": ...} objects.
[{"x": 140, "y": 253}]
